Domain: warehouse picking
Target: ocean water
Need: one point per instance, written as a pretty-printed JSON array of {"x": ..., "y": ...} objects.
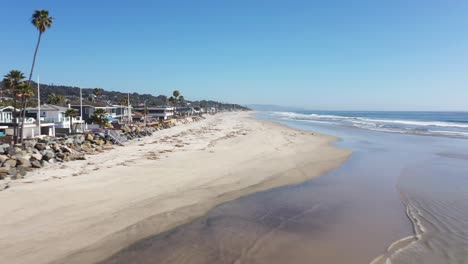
[
  {"x": 419, "y": 123},
  {"x": 432, "y": 181},
  {"x": 402, "y": 197}
]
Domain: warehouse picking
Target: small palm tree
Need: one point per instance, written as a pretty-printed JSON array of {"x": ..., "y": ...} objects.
[
  {"x": 176, "y": 94},
  {"x": 71, "y": 113},
  {"x": 100, "y": 117},
  {"x": 11, "y": 81},
  {"x": 55, "y": 99},
  {"x": 123, "y": 101},
  {"x": 98, "y": 92},
  {"x": 23, "y": 92}
]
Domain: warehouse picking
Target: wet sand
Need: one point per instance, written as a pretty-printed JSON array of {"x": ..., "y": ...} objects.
[{"x": 85, "y": 211}]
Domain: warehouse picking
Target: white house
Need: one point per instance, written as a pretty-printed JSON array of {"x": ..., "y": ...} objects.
[
  {"x": 54, "y": 114},
  {"x": 161, "y": 113},
  {"x": 31, "y": 129}
]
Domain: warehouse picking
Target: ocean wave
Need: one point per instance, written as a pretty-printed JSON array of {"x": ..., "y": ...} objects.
[
  {"x": 374, "y": 120},
  {"x": 396, "y": 125}
]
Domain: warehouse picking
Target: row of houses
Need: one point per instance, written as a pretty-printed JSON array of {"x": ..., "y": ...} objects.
[{"x": 53, "y": 120}]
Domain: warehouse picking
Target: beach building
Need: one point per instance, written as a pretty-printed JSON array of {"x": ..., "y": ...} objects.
[
  {"x": 115, "y": 112},
  {"x": 55, "y": 114},
  {"x": 31, "y": 129},
  {"x": 159, "y": 113},
  {"x": 185, "y": 111}
]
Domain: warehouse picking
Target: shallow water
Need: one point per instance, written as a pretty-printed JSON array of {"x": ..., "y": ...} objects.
[{"x": 349, "y": 215}]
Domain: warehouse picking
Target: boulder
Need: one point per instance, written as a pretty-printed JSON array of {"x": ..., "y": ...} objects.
[
  {"x": 11, "y": 151},
  {"x": 12, "y": 172},
  {"x": 48, "y": 154},
  {"x": 36, "y": 164},
  {"x": 3, "y": 158},
  {"x": 36, "y": 156},
  {"x": 4, "y": 170},
  {"x": 29, "y": 143},
  {"x": 40, "y": 146},
  {"x": 89, "y": 137},
  {"x": 24, "y": 162},
  {"x": 21, "y": 170},
  {"x": 11, "y": 163}
]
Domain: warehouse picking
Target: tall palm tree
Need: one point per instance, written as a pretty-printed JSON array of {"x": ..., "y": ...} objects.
[
  {"x": 41, "y": 21},
  {"x": 12, "y": 80},
  {"x": 71, "y": 113}
]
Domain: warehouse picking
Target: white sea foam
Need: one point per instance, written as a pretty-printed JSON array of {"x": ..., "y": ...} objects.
[{"x": 383, "y": 125}]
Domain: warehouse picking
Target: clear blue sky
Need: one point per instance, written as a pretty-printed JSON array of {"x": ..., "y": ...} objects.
[{"x": 356, "y": 55}]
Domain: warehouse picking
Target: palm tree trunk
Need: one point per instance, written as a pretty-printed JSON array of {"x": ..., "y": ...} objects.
[{"x": 29, "y": 84}]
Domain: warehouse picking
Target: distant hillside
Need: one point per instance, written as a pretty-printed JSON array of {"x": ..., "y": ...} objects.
[
  {"x": 113, "y": 97},
  {"x": 276, "y": 108}
]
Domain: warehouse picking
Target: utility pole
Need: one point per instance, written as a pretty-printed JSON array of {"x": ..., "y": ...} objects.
[
  {"x": 38, "y": 106},
  {"x": 145, "y": 112},
  {"x": 129, "y": 109},
  {"x": 81, "y": 109}
]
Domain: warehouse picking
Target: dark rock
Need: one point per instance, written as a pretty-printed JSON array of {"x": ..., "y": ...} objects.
[
  {"x": 40, "y": 146},
  {"x": 11, "y": 151},
  {"x": 36, "y": 164},
  {"x": 48, "y": 154}
]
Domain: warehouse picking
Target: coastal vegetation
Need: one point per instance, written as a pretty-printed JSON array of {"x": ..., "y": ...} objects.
[
  {"x": 71, "y": 113},
  {"x": 55, "y": 99},
  {"x": 12, "y": 81},
  {"x": 100, "y": 117}
]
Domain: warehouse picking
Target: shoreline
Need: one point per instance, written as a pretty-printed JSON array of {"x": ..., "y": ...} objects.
[{"x": 147, "y": 189}]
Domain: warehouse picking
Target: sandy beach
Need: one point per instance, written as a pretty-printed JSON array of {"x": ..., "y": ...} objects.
[{"x": 85, "y": 211}]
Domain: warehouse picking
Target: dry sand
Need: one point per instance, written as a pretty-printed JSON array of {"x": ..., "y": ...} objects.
[{"x": 85, "y": 211}]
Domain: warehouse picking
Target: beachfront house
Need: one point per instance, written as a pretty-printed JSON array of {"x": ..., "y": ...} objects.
[
  {"x": 31, "y": 128},
  {"x": 55, "y": 114},
  {"x": 158, "y": 113},
  {"x": 185, "y": 111},
  {"x": 114, "y": 112}
]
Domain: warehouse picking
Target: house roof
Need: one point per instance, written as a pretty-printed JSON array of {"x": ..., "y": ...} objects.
[
  {"x": 8, "y": 108},
  {"x": 48, "y": 107},
  {"x": 88, "y": 103}
]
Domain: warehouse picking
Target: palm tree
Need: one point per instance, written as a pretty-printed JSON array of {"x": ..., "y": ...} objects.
[
  {"x": 23, "y": 92},
  {"x": 71, "y": 113},
  {"x": 12, "y": 80},
  {"x": 55, "y": 99},
  {"x": 41, "y": 21},
  {"x": 176, "y": 94},
  {"x": 98, "y": 92},
  {"x": 100, "y": 117},
  {"x": 123, "y": 102},
  {"x": 181, "y": 99}
]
